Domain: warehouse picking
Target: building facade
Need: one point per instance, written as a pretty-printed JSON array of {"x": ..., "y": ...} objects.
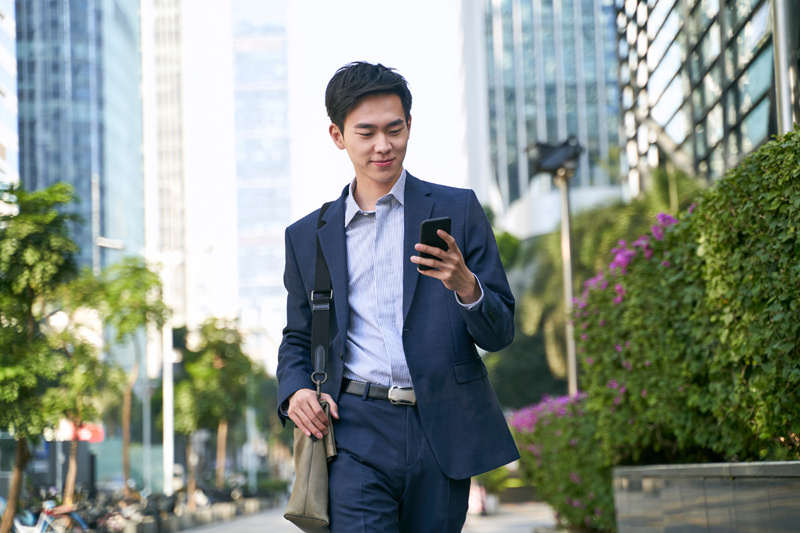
[
  {"x": 9, "y": 138},
  {"x": 552, "y": 73},
  {"x": 263, "y": 180},
  {"x": 80, "y": 116},
  {"x": 699, "y": 81}
]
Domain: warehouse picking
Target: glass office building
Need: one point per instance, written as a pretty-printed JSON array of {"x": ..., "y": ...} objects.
[
  {"x": 262, "y": 169},
  {"x": 699, "y": 84},
  {"x": 80, "y": 115},
  {"x": 9, "y": 139},
  {"x": 552, "y": 72}
]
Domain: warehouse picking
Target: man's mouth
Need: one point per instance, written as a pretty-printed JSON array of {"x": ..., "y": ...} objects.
[{"x": 383, "y": 162}]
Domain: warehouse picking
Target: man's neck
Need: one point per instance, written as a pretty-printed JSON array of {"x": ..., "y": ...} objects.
[{"x": 367, "y": 192}]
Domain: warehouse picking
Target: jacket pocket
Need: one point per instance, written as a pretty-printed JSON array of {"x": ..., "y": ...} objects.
[{"x": 470, "y": 370}]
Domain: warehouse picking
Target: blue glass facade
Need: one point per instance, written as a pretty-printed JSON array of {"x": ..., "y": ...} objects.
[
  {"x": 262, "y": 162},
  {"x": 552, "y": 73},
  {"x": 9, "y": 138},
  {"x": 698, "y": 79},
  {"x": 80, "y": 115}
]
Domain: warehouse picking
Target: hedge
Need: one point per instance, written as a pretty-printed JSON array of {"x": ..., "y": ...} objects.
[{"x": 689, "y": 340}]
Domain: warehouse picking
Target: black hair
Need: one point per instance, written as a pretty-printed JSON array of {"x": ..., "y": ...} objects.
[{"x": 356, "y": 80}]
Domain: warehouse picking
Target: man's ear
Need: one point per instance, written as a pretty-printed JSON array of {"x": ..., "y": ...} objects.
[
  {"x": 337, "y": 136},
  {"x": 408, "y": 123}
]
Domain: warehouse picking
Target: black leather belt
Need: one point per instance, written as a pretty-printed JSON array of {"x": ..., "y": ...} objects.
[{"x": 395, "y": 395}]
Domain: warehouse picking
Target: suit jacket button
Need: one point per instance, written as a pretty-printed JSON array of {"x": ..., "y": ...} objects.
[{"x": 340, "y": 356}]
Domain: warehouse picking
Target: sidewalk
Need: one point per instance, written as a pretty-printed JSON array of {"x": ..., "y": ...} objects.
[{"x": 513, "y": 518}]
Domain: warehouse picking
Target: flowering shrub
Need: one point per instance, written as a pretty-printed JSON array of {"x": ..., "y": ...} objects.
[
  {"x": 689, "y": 344},
  {"x": 560, "y": 457},
  {"x": 689, "y": 340}
]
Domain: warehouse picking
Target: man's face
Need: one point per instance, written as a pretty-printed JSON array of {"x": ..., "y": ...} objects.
[{"x": 375, "y": 136}]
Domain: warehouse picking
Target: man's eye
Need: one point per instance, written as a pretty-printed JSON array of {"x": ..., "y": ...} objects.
[
  {"x": 366, "y": 135},
  {"x": 395, "y": 132}
]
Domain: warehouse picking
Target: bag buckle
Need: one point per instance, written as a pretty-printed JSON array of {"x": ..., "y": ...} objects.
[
  {"x": 402, "y": 396},
  {"x": 323, "y": 301}
]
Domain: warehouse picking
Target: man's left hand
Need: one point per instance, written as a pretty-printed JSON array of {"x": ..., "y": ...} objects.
[{"x": 452, "y": 270}]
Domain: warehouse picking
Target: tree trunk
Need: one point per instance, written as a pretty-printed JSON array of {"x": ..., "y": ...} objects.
[
  {"x": 23, "y": 454},
  {"x": 191, "y": 479},
  {"x": 222, "y": 438},
  {"x": 72, "y": 468},
  {"x": 126, "y": 423}
]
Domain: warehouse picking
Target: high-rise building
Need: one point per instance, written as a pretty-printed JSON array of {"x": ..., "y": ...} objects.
[
  {"x": 9, "y": 139},
  {"x": 552, "y": 73},
  {"x": 705, "y": 82},
  {"x": 80, "y": 116},
  {"x": 263, "y": 182},
  {"x": 190, "y": 155}
]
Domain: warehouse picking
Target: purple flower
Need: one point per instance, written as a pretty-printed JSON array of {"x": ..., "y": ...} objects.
[
  {"x": 620, "y": 289},
  {"x": 644, "y": 393},
  {"x": 573, "y": 442},
  {"x": 587, "y": 521},
  {"x": 618, "y": 347},
  {"x": 575, "y": 478},
  {"x": 665, "y": 219},
  {"x": 576, "y": 503},
  {"x": 568, "y": 500},
  {"x": 641, "y": 242},
  {"x": 647, "y": 363},
  {"x": 604, "y": 284},
  {"x": 584, "y": 336},
  {"x": 612, "y": 384},
  {"x": 648, "y": 253},
  {"x": 665, "y": 263},
  {"x": 627, "y": 343},
  {"x": 658, "y": 232},
  {"x": 627, "y": 365},
  {"x": 691, "y": 208},
  {"x": 589, "y": 361},
  {"x": 597, "y": 511},
  {"x": 617, "y": 400},
  {"x": 584, "y": 325},
  {"x": 602, "y": 323},
  {"x": 622, "y": 390},
  {"x": 622, "y": 257},
  {"x": 618, "y": 300}
]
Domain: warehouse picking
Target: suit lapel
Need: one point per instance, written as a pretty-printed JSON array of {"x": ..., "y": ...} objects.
[
  {"x": 334, "y": 248},
  {"x": 417, "y": 207}
]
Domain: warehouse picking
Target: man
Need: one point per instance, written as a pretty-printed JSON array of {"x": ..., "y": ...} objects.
[{"x": 400, "y": 467}]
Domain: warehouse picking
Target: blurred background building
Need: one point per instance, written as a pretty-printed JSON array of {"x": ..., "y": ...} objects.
[
  {"x": 263, "y": 182},
  {"x": 9, "y": 139},
  {"x": 552, "y": 72},
  {"x": 699, "y": 81},
  {"x": 80, "y": 116}
]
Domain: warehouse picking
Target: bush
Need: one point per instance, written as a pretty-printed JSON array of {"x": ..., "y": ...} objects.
[
  {"x": 561, "y": 459},
  {"x": 689, "y": 343}
]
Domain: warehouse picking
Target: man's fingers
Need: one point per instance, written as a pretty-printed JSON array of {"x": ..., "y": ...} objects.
[
  {"x": 433, "y": 263},
  {"x": 433, "y": 250},
  {"x": 334, "y": 408},
  {"x": 447, "y": 238},
  {"x": 302, "y": 422}
]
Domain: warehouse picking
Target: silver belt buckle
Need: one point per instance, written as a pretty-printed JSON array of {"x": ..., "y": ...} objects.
[{"x": 402, "y": 396}]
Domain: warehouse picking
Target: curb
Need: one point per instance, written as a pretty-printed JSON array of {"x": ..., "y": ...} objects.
[{"x": 213, "y": 514}]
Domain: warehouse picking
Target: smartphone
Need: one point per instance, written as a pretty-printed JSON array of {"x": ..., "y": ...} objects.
[{"x": 428, "y": 235}]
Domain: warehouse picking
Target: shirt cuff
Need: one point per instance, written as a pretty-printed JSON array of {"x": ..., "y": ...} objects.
[{"x": 476, "y": 303}]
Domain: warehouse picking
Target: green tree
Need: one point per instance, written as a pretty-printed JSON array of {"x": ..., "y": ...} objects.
[
  {"x": 220, "y": 371},
  {"x": 36, "y": 256},
  {"x": 187, "y": 416},
  {"x": 131, "y": 302}
]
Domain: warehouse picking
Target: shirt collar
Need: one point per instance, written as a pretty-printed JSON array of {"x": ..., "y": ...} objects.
[{"x": 398, "y": 192}]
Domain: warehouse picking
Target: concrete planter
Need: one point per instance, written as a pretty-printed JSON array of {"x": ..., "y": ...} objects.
[{"x": 716, "y": 497}]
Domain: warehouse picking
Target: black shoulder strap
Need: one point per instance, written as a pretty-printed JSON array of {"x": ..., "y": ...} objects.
[{"x": 321, "y": 298}]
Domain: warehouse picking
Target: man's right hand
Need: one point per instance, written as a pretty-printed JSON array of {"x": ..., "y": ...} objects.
[{"x": 307, "y": 414}]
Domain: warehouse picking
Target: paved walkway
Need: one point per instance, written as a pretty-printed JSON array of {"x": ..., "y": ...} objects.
[{"x": 513, "y": 518}]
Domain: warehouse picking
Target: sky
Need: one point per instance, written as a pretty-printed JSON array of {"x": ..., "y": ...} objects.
[{"x": 421, "y": 39}]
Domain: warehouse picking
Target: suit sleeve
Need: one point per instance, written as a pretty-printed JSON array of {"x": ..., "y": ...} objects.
[
  {"x": 294, "y": 357},
  {"x": 491, "y": 324}
]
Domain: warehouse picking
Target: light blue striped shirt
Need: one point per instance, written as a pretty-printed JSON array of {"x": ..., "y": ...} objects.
[{"x": 375, "y": 267}]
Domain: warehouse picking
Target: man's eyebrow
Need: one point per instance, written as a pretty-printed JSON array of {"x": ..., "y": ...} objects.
[{"x": 368, "y": 126}]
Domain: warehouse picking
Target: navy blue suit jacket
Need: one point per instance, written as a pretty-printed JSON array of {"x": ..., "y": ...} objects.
[{"x": 458, "y": 408}]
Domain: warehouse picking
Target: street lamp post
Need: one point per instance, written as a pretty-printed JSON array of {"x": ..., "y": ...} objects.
[{"x": 560, "y": 161}]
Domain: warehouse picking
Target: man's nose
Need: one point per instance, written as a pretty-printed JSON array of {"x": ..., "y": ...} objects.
[{"x": 382, "y": 144}]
